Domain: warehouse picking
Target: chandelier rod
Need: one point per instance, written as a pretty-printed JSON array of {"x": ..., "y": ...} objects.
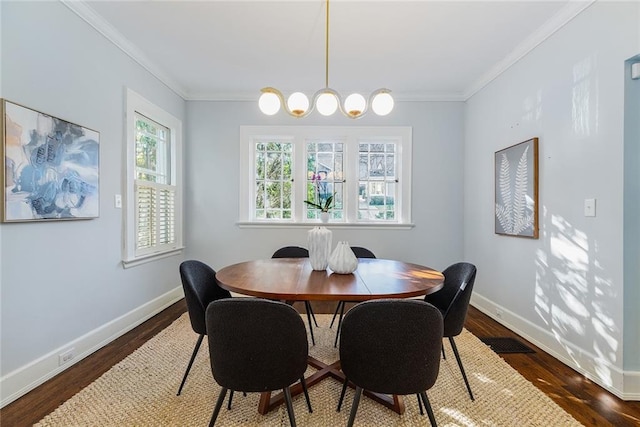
[{"x": 326, "y": 49}]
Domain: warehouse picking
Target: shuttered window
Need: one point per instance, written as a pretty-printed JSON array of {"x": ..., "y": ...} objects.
[
  {"x": 154, "y": 204},
  {"x": 155, "y": 198}
]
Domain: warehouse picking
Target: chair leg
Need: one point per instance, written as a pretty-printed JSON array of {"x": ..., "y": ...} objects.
[
  {"x": 193, "y": 357},
  {"x": 344, "y": 390},
  {"x": 230, "y": 399},
  {"x": 287, "y": 399},
  {"x": 444, "y": 356},
  {"x": 354, "y": 406},
  {"x": 306, "y": 394},
  {"x": 335, "y": 344},
  {"x": 216, "y": 411},
  {"x": 420, "y": 403},
  {"x": 427, "y": 405},
  {"x": 335, "y": 313},
  {"x": 313, "y": 340},
  {"x": 464, "y": 375},
  {"x": 310, "y": 309}
]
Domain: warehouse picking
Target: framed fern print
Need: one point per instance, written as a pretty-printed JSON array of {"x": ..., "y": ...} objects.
[{"x": 516, "y": 190}]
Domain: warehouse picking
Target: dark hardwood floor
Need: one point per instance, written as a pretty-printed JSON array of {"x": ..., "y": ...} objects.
[{"x": 586, "y": 401}]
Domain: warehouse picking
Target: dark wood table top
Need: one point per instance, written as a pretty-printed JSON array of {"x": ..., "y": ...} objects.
[{"x": 293, "y": 279}]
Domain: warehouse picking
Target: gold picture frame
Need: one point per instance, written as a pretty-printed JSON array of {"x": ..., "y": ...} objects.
[{"x": 516, "y": 190}]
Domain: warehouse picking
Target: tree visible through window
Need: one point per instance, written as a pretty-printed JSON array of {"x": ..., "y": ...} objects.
[
  {"x": 377, "y": 181},
  {"x": 325, "y": 177},
  {"x": 153, "y": 220},
  {"x": 155, "y": 199},
  {"x": 273, "y": 180},
  {"x": 366, "y": 170}
]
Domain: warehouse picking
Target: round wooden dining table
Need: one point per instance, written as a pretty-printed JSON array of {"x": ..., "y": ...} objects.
[{"x": 293, "y": 279}]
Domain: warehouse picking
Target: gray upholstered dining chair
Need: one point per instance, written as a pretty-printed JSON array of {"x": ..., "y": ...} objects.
[
  {"x": 200, "y": 288},
  {"x": 453, "y": 302},
  {"x": 256, "y": 345},
  {"x": 299, "y": 252},
  {"x": 359, "y": 252},
  {"x": 391, "y": 346}
]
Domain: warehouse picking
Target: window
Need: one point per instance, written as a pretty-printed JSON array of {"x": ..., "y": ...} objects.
[
  {"x": 366, "y": 170},
  {"x": 153, "y": 203},
  {"x": 273, "y": 180}
]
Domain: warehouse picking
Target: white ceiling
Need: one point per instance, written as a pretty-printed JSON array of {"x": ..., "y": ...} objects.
[{"x": 421, "y": 50}]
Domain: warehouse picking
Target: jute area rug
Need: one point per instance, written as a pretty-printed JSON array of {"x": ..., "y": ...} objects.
[{"x": 141, "y": 391}]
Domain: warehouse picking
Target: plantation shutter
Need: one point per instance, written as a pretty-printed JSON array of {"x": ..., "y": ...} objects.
[
  {"x": 155, "y": 196},
  {"x": 155, "y": 216}
]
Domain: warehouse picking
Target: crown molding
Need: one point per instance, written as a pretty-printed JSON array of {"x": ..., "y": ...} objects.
[
  {"x": 89, "y": 15},
  {"x": 572, "y": 9},
  {"x": 560, "y": 19}
]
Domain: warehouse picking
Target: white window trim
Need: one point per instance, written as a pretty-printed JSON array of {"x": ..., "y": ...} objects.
[
  {"x": 350, "y": 135},
  {"x": 135, "y": 102}
]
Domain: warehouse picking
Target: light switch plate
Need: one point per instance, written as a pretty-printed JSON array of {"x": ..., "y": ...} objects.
[
  {"x": 118, "y": 201},
  {"x": 589, "y": 207}
]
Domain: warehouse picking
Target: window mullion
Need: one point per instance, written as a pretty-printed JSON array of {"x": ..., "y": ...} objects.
[
  {"x": 298, "y": 170},
  {"x": 351, "y": 178}
]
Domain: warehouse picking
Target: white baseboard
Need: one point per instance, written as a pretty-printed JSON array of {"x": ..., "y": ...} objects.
[
  {"x": 24, "y": 379},
  {"x": 631, "y": 385},
  {"x": 624, "y": 384}
]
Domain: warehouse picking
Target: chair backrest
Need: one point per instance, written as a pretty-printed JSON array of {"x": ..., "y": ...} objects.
[
  {"x": 453, "y": 298},
  {"x": 361, "y": 252},
  {"x": 291, "y": 252},
  {"x": 392, "y": 346},
  {"x": 200, "y": 288},
  {"x": 256, "y": 344}
]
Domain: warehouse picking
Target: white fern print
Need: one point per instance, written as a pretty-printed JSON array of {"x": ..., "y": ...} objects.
[
  {"x": 513, "y": 214},
  {"x": 503, "y": 211}
]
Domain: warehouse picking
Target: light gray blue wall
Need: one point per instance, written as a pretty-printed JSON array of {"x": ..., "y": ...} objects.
[
  {"x": 61, "y": 280},
  {"x": 565, "y": 290},
  {"x": 631, "y": 218},
  {"x": 212, "y": 156}
]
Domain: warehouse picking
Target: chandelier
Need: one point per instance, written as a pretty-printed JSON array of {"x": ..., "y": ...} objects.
[{"x": 326, "y": 100}]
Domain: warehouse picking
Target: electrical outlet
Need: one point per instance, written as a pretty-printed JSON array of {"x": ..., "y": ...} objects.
[
  {"x": 66, "y": 356},
  {"x": 499, "y": 313}
]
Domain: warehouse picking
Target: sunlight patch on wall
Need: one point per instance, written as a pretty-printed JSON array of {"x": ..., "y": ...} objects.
[
  {"x": 564, "y": 322},
  {"x": 582, "y": 116},
  {"x": 572, "y": 296},
  {"x": 532, "y": 107}
]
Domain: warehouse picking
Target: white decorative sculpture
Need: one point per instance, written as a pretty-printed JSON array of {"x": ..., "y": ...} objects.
[
  {"x": 343, "y": 260},
  {"x": 319, "y": 239}
]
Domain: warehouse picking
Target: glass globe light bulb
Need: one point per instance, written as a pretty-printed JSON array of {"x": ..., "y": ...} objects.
[
  {"x": 269, "y": 103},
  {"x": 382, "y": 103},
  {"x": 298, "y": 103},
  {"x": 327, "y": 104},
  {"x": 354, "y": 105}
]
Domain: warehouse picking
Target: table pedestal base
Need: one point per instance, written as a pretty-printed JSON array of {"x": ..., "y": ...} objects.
[{"x": 269, "y": 401}]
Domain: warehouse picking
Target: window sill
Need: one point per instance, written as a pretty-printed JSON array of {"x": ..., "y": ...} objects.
[
  {"x": 134, "y": 262},
  {"x": 363, "y": 225}
]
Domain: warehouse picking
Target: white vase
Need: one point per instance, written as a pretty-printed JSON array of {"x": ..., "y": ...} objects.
[
  {"x": 319, "y": 239},
  {"x": 343, "y": 260},
  {"x": 324, "y": 217}
]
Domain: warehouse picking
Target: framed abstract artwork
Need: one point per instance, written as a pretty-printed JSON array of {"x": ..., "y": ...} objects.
[
  {"x": 516, "y": 190},
  {"x": 50, "y": 168}
]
